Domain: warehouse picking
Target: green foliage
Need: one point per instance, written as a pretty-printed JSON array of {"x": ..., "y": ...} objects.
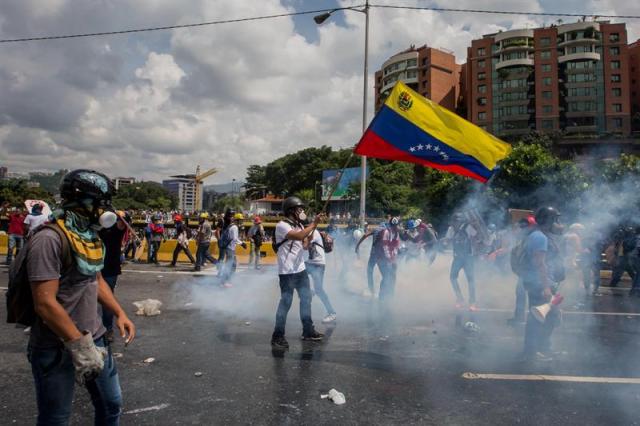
[
  {"x": 15, "y": 191},
  {"x": 232, "y": 202},
  {"x": 256, "y": 185},
  {"x": 389, "y": 189},
  {"x": 50, "y": 182},
  {"x": 145, "y": 196}
]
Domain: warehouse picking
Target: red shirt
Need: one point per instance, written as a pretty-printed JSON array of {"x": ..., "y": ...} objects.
[{"x": 16, "y": 223}]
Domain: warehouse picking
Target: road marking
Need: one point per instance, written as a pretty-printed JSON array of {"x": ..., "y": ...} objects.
[
  {"x": 142, "y": 410},
  {"x": 550, "y": 378},
  {"x": 213, "y": 272},
  {"x": 4, "y": 288},
  {"x": 618, "y": 314}
]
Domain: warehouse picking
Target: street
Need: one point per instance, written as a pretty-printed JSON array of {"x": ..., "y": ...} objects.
[{"x": 409, "y": 365}]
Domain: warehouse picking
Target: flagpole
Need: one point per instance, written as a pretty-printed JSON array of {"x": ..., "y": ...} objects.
[{"x": 363, "y": 162}]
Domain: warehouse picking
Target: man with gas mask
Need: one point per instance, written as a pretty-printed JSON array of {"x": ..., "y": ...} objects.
[
  {"x": 290, "y": 242},
  {"x": 543, "y": 269},
  {"x": 67, "y": 338}
]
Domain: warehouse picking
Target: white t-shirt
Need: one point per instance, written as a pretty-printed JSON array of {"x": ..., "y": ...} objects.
[
  {"x": 319, "y": 257},
  {"x": 233, "y": 237},
  {"x": 290, "y": 253},
  {"x": 35, "y": 221}
]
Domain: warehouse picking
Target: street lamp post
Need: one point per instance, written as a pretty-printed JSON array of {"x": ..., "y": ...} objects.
[{"x": 319, "y": 19}]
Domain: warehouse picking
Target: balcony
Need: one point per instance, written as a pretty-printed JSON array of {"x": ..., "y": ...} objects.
[
  {"x": 514, "y": 63},
  {"x": 580, "y": 129},
  {"x": 579, "y": 56}
]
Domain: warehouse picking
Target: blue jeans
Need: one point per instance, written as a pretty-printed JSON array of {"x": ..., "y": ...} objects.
[
  {"x": 229, "y": 265},
  {"x": 521, "y": 301},
  {"x": 388, "y": 283},
  {"x": 466, "y": 263},
  {"x": 202, "y": 253},
  {"x": 371, "y": 265},
  {"x": 288, "y": 283},
  {"x": 316, "y": 272},
  {"x": 54, "y": 377},
  {"x": 107, "y": 315},
  {"x": 537, "y": 335},
  {"x": 15, "y": 241}
]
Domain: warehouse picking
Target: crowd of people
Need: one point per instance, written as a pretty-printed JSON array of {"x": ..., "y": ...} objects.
[{"x": 70, "y": 260}]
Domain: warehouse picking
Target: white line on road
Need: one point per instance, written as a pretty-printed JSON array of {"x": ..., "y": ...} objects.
[
  {"x": 4, "y": 288},
  {"x": 618, "y": 314},
  {"x": 550, "y": 378},
  {"x": 142, "y": 410}
]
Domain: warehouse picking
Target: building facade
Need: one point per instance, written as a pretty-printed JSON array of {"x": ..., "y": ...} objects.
[
  {"x": 122, "y": 181},
  {"x": 634, "y": 74},
  {"x": 572, "y": 78},
  {"x": 431, "y": 72},
  {"x": 185, "y": 190}
]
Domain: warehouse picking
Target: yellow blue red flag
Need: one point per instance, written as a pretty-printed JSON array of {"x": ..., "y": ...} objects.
[{"x": 414, "y": 129}]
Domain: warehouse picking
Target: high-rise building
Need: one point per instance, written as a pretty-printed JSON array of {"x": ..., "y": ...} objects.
[
  {"x": 634, "y": 75},
  {"x": 122, "y": 181},
  {"x": 572, "y": 78},
  {"x": 431, "y": 72},
  {"x": 3, "y": 172},
  {"x": 185, "y": 189}
]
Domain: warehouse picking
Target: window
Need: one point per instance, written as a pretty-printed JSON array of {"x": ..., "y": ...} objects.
[
  {"x": 482, "y": 88},
  {"x": 581, "y": 106},
  {"x": 615, "y": 65},
  {"x": 424, "y": 62},
  {"x": 615, "y": 78},
  {"x": 481, "y": 63},
  {"x": 614, "y": 37},
  {"x": 547, "y": 95},
  {"x": 547, "y": 109},
  {"x": 545, "y": 54},
  {"x": 546, "y": 67},
  {"x": 425, "y": 83},
  {"x": 616, "y": 92},
  {"x": 545, "y": 41},
  {"x": 482, "y": 115},
  {"x": 617, "y": 107},
  {"x": 482, "y": 75},
  {"x": 546, "y": 81},
  {"x": 614, "y": 51},
  {"x": 580, "y": 78},
  {"x": 582, "y": 91},
  {"x": 412, "y": 62},
  {"x": 482, "y": 51},
  {"x": 547, "y": 124},
  {"x": 617, "y": 123},
  {"x": 482, "y": 101},
  {"x": 412, "y": 74},
  {"x": 581, "y": 65}
]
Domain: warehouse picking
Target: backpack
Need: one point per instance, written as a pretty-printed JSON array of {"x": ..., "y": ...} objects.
[
  {"x": 20, "y": 308},
  {"x": 327, "y": 242},
  {"x": 462, "y": 242},
  {"x": 518, "y": 258},
  {"x": 275, "y": 246}
]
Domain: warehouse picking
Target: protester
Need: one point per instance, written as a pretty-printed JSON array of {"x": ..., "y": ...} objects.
[
  {"x": 463, "y": 237},
  {"x": 374, "y": 255},
  {"x": 203, "y": 240},
  {"x": 387, "y": 257},
  {"x": 289, "y": 244},
  {"x": 156, "y": 230},
  {"x": 315, "y": 263},
  {"x": 131, "y": 240},
  {"x": 112, "y": 241},
  {"x": 522, "y": 230},
  {"x": 256, "y": 235},
  {"x": 543, "y": 269},
  {"x": 229, "y": 241},
  {"x": 183, "y": 234},
  {"x": 67, "y": 340},
  {"x": 34, "y": 220},
  {"x": 624, "y": 243},
  {"x": 16, "y": 233}
]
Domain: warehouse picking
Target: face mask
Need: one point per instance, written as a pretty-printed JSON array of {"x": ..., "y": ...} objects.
[
  {"x": 302, "y": 216},
  {"x": 107, "y": 219}
]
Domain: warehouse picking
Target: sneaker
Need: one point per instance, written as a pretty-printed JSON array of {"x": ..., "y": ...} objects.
[
  {"x": 473, "y": 307},
  {"x": 279, "y": 342},
  {"x": 459, "y": 305},
  {"x": 27, "y": 330},
  {"x": 227, "y": 285},
  {"x": 541, "y": 357},
  {"x": 329, "y": 318},
  {"x": 315, "y": 336}
]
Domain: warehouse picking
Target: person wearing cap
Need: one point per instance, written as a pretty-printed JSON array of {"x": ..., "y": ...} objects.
[
  {"x": 203, "y": 239},
  {"x": 182, "y": 243},
  {"x": 229, "y": 240},
  {"x": 256, "y": 235}
]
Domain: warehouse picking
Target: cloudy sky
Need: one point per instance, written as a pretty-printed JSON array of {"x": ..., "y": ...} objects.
[{"x": 153, "y": 104}]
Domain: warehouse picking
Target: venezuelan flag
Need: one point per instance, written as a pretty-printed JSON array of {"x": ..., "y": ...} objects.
[{"x": 414, "y": 129}]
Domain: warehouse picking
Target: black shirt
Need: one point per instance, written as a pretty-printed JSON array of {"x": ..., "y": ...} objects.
[{"x": 112, "y": 239}]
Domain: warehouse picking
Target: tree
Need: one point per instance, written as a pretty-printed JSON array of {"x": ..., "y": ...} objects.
[
  {"x": 50, "y": 182},
  {"x": 145, "y": 196},
  {"x": 256, "y": 181},
  {"x": 389, "y": 188},
  {"x": 232, "y": 202},
  {"x": 16, "y": 191}
]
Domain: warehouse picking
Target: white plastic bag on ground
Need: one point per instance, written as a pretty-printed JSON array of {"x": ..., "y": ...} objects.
[
  {"x": 335, "y": 396},
  {"x": 148, "y": 307}
]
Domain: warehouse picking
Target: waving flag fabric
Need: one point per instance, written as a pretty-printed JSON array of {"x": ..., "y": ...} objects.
[{"x": 414, "y": 129}]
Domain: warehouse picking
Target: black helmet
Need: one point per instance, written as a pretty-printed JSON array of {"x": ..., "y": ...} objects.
[
  {"x": 546, "y": 215},
  {"x": 291, "y": 203},
  {"x": 229, "y": 213},
  {"x": 81, "y": 184}
]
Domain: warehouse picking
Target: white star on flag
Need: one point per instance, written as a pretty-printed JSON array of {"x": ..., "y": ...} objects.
[
  {"x": 412, "y": 149},
  {"x": 428, "y": 147},
  {"x": 436, "y": 149},
  {"x": 420, "y": 147}
]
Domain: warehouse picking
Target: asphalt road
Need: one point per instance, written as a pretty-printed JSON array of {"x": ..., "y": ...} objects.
[{"x": 405, "y": 365}]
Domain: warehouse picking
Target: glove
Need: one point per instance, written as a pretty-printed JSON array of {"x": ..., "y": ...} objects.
[{"x": 87, "y": 358}]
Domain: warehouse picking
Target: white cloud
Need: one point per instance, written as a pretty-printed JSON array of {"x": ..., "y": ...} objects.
[{"x": 225, "y": 96}]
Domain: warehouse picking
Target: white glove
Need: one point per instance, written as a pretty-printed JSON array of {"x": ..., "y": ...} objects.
[{"x": 88, "y": 359}]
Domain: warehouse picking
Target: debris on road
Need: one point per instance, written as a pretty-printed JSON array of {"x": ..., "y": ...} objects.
[
  {"x": 471, "y": 326},
  {"x": 198, "y": 374},
  {"x": 335, "y": 396},
  {"x": 148, "y": 307},
  {"x": 117, "y": 355},
  {"x": 149, "y": 360},
  {"x": 247, "y": 323}
]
